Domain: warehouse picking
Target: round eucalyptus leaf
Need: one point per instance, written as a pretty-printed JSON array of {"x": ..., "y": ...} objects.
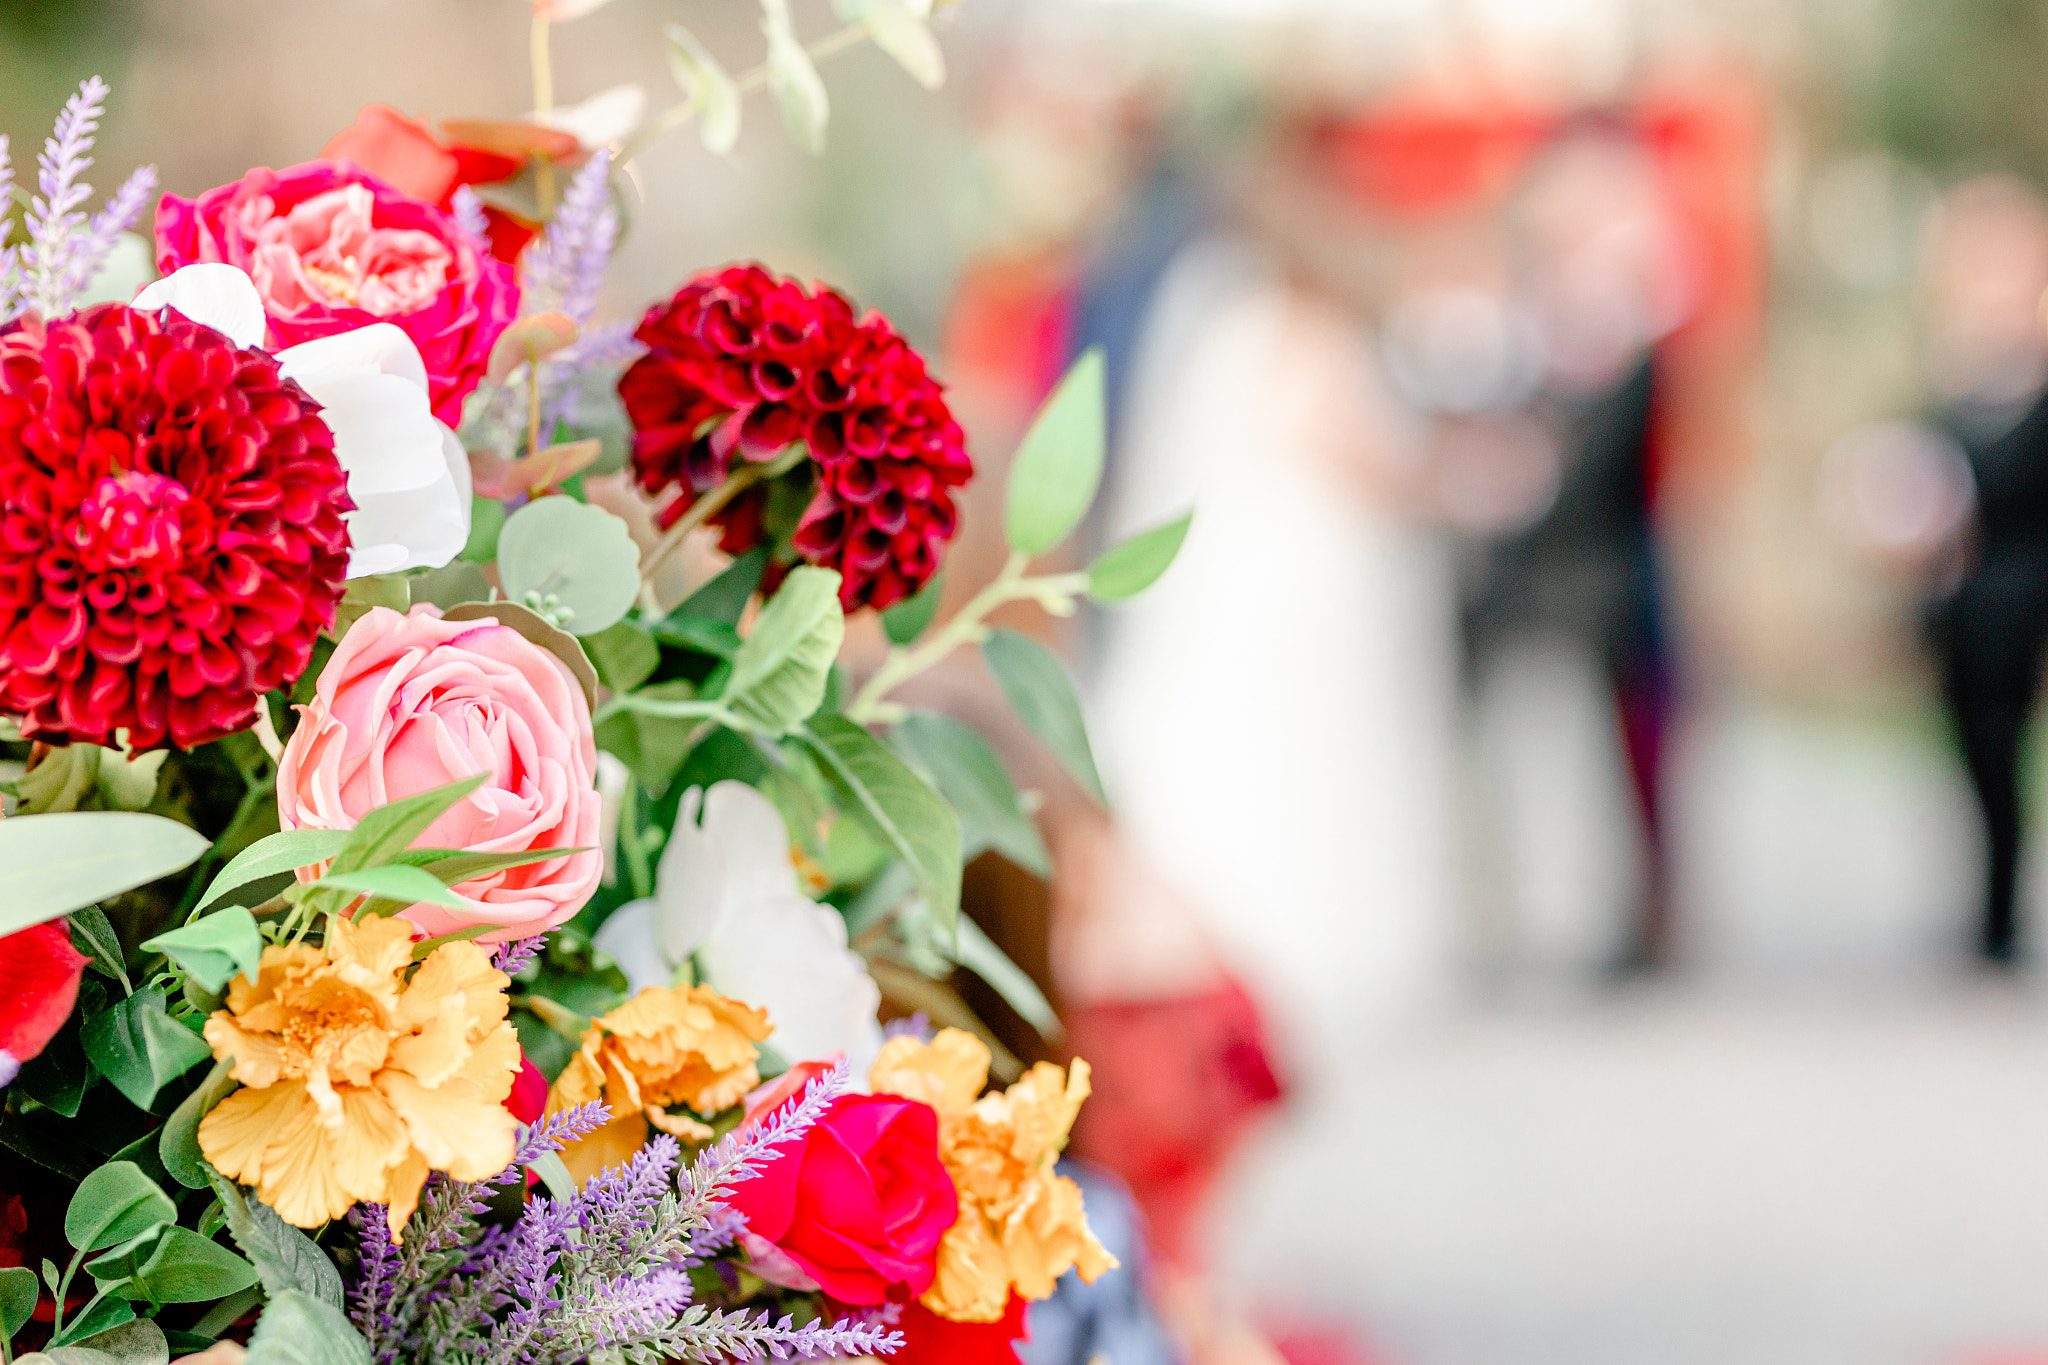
[{"x": 577, "y": 561}]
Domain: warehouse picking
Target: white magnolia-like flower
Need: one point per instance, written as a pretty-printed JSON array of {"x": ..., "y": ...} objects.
[
  {"x": 406, "y": 471},
  {"x": 726, "y": 890}
]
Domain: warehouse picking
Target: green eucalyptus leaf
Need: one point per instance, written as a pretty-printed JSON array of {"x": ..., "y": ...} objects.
[
  {"x": 1058, "y": 467},
  {"x": 131, "y": 1341},
  {"x": 68, "y": 1348},
  {"x": 284, "y": 1257},
  {"x": 1041, "y": 694},
  {"x": 214, "y": 949},
  {"x": 1128, "y": 569},
  {"x": 793, "y": 79},
  {"x": 53, "y": 864},
  {"x": 178, "y": 1143},
  {"x": 710, "y": 93},
  {"x": 286, "y": 851},
  {"x": 970, "y": 777},
  {"x": 188, "y": 1268},
  {"x": 581, "y": 556},
  {"x": 139, "y": 1047},
  {"x": 779, "y": 675},
  {"x": 908, "y": 619},
  {"x": 18, "y": 1292},
  {"x": 116, "y": 1202},
  {"x": 895, "y": 805},
  {"x": 299, "y": 1329},
  {"x": 905, "y": 35}
]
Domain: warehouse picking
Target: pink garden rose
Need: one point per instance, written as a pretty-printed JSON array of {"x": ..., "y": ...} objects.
[
  {"x": 332, "y": 248},
  {"x": 413, "y": 702}
]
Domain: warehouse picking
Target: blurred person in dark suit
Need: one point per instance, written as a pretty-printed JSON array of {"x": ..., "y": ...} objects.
[{"x": 1988, "y": 358}]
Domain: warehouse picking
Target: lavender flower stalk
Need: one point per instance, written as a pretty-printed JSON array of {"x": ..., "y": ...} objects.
[{"x": 65, "y": 247}]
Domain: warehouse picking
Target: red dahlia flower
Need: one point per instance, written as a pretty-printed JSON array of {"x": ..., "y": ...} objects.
[
  {"x": 39, "y": 972},
  {"x": 741, "y": 365},
  {"x": 171, "y": 537},
  {"x": 929, "y": 1339}
]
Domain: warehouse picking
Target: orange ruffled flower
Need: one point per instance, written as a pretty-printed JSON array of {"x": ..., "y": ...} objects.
[
  {"x": 684, "y": 1045},
  {"x": 358, "y": 1081},
  {"x": 1021, "y": 1224}
]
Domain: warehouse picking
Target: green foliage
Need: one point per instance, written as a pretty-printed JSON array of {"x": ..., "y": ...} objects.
[
  {"x": 17, "y": 1298},
  {"x": 710, "y": 94},
  {"x": 979, "y": 954},
  {"x": 1128, "y": 569},
  {"x": 172, "y": 1265},
  {"x": 1039, "y": 691},
  {"x": 486, "y": 524},
  {"x": 389, "y": 830},
  {"x": 1054, "y": 476},
  {"x": 298, "y": 1329},
  {"x": 970, "y": 777},
  {"x": 110, "y": 1334},
  {"x": 284, "y": 1257},
  {"x": 908, "y": 619},
  {"x": 286, "y": 851},
  {"x": 396, "y": 885},
  {"x": 53, "y": 864},
  {"x": 112, "y": 1205},
  {"x": 779, "y": 674},
  {"x": 137, "y": 1045},
  {"x": 216, "y": 949},
  {"x": 625, "y": 655},
  {"x": 580, "y": 558},
  {"x": 178, "y": 1141},
  {"x": 92, "y": 935},
  {"x": 793, "y": 79},
  {"x": 895, "y": 805}
]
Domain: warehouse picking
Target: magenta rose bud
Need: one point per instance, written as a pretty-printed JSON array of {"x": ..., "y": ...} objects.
[
  {"x": 332, "y": 248},
  {"x": 409, "y": 703},
  {"x": 860, "y": 1206}
]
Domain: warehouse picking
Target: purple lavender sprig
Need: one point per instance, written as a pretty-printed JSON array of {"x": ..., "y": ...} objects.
[
  {"x": 65, "y": 248},
  {"x": 469, "y": 213},
  {"x": 566, "y": 267},
  {"x": 516, "y": 956}
]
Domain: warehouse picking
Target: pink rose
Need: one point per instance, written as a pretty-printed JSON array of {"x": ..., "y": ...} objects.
[
  {"x": 332, "y": 248},
  {"x": 858, "y": 1207},
  {"x": 408, "y": 703}
]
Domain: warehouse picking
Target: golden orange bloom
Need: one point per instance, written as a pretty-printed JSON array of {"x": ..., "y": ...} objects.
[
  {"x": 358, "y": 1081},
  {"x": 1021, "y": 1224},
  {"x": 684, "y": 1045}
]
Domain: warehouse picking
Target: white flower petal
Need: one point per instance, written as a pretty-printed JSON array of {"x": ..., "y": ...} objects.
[
  {"x": 690, "y": 884},
  {"x": 789, "y": 956},
  {"x": 219, "y": 296},
  {"x": 629, "y": 937},
  {"x": 380, "y": 348},
  {"x": 750, "y": 831},
  {"x": 413, "y": 528}
]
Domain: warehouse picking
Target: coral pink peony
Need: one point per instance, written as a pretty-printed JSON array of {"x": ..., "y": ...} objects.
[
  {"x": 408, "y": 703},
  {"x": 859, "y": 1207},
  {"x": 741, "y": 365},
  {"x": 39, "y": 972},
  {"x": 171, "y": 534},
  {"x": 332, "y": 248}
]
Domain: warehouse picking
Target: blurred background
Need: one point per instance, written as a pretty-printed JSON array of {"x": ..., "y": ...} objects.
[{"x": 1568, "y": 897}]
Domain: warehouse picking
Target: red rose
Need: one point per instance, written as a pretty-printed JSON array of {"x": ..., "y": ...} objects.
[
  {"x": 332, "y": 248},
  {"x": 528, "y": 1098},
  {"x": 929, "y": 1339},
  {"x": 860, "y": 1205},
  {"x": 39, "y": 971}
]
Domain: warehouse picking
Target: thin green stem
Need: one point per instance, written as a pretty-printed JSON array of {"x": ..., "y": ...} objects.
[
  {"x": 543, "y": 105},
  {"x": 700, "y": 511},
  {"x": 1055, "y": 592}
]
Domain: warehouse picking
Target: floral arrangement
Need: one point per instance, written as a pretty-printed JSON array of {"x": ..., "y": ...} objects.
[{"x": 420, "y": 938}]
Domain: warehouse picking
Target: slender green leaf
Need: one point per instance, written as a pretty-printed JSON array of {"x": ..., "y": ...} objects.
[
  {"x": 555, "y": 1175},
  {"x": 53, "y": 864},
  {"x": 396, "y": 882},
  {"x": 287, "y": 851},
  {"x": 1128, "y": 569},
  {"x": 59, "y": 1075},
  {"x": 298, "y": 1329},
  {"x": 793, "y": 79},
  {"x": 387, "y": 831},
  {"x": 178, "y": 1143},
  {"x": 284, "y": 1257},
  {"x": 778, "y": 676},
  {"x": 979, "y": 954},
  {"x": 187, "y": 1268},
  {"x": 1055, "y": 474},
  {"x": 895, "y": 804},
  {"x": 452, "y": 866},
  {"x": 1042, "y": 696},
  {"x": 486, "y": 524},
  {"x": 18, "y": 1291},
  {"x": 909, "y": 618},
  {"x": 68, "y": 1348},
  {"x": 114, "y": 1203},
  {"x": 94, "y": 936},
  {"x": 215, "y": 949},
  {"x": 709, "y": 92},
  {"x": 971, "y": 777},
  {"x": 139, "y": 1047},
  {"x": 906, "y": 36},
  {"x": 706, "y": 636}
]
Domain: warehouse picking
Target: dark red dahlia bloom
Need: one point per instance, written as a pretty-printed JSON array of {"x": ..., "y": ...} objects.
[
  {"x": 171, "y": 537},
  {"x": 740, "y": 365}
]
